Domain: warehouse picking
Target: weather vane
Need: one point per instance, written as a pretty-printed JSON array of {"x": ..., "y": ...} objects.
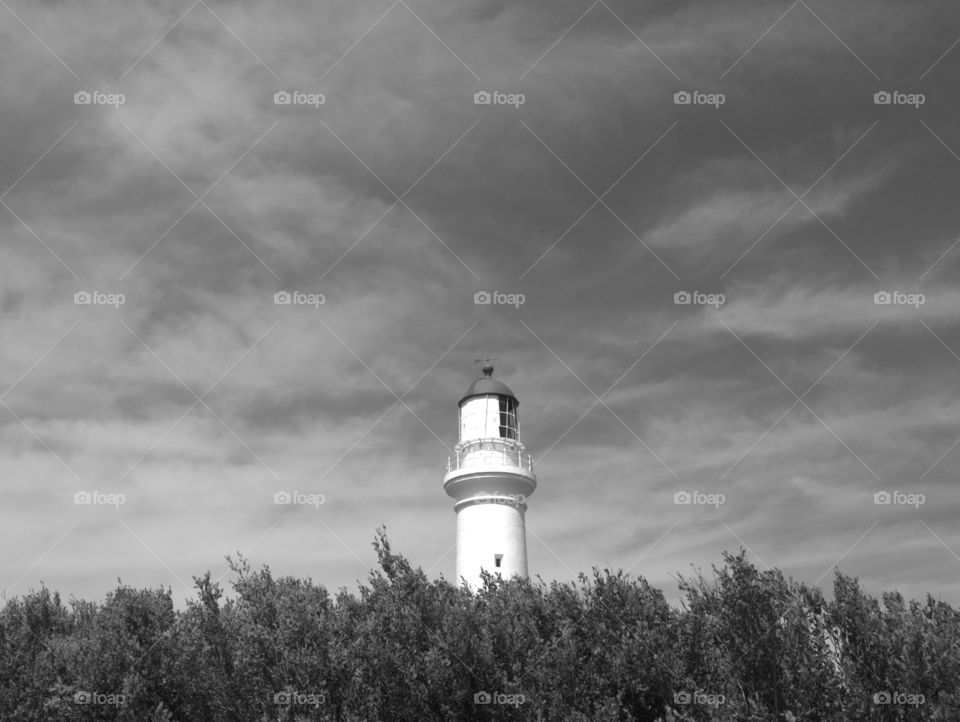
[{"x": 487, "y": 365}]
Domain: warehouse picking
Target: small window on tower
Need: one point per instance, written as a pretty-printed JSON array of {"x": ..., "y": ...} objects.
[
  {"x": 508, "y": 418},
  {"x": 497, "y": 558}
]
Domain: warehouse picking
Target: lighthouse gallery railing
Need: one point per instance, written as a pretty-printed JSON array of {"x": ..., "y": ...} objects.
[{"x": 489, "y": 451}]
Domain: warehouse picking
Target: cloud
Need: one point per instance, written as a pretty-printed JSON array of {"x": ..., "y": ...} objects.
[{"x": 304, "y": 201}]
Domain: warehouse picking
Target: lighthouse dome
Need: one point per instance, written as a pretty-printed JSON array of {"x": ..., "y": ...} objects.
[{"x": 487, "y": 385}]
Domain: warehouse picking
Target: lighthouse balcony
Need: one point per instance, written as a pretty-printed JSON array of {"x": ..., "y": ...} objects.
[
  {"x": 496, "y": 452},
  {"x": 497, "y": 455}
]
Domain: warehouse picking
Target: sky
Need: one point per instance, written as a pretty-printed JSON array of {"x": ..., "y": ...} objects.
[{"x": 586, "y": 196}]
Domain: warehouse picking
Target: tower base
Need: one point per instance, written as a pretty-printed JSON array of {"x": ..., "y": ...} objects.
[{"x": 491, "y": 535}]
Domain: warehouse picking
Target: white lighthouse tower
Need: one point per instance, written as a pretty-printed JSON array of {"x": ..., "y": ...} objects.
[{"x": 490, "y": 475}]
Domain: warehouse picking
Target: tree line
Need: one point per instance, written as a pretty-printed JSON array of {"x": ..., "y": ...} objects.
[{"x": 745, "y": 644}]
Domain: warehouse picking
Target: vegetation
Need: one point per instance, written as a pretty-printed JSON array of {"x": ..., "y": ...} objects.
[{"x": 747, "y": 645}]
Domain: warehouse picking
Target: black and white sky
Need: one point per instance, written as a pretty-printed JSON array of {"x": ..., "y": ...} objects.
[{"x": 783, "y": 198}]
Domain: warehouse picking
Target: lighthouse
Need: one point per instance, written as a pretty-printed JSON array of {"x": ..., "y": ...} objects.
[{"x": 490, "y": 476}]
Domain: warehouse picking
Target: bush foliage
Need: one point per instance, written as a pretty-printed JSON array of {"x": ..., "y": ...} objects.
[{"x": 745, "y": 645}]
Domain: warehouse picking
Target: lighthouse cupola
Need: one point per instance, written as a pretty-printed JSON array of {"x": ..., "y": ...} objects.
[{"x": 488, "y": 410}]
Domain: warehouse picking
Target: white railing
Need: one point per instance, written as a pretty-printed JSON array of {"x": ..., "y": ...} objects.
[{"x": 481, "y": 452}]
